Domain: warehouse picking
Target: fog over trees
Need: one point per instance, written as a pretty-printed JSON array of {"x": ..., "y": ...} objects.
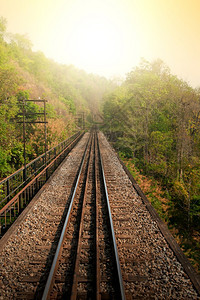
[{"x": 152, "y": 119}]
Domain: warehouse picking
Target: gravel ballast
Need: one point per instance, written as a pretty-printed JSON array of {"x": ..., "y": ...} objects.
[{"x": 149, "y": 267}]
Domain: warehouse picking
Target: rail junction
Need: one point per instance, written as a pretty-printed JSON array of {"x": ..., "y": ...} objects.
[{"x": 90, "y": 233}]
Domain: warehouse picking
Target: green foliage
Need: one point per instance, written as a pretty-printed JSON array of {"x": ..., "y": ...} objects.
[
  {"x": 151, "y": 117},
  {"x": 25, "y": 74},
  {"x": 4, "y": 162},
  {"x": 51, "y": 113},
  {"x": 23, "y": 95},
  {"x": 69, "y": 105},
  {"x": 9, "y": 81},
  {"x": 3, "y": 24},
  {"x": 155, "y": 118},
  {"x": 179, "y": 192},
  {"x": 22, "y": 41},
  {"x": 16, "y": 155}
]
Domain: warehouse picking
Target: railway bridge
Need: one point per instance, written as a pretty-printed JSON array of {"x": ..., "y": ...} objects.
[{"x": 84, "y": 230}]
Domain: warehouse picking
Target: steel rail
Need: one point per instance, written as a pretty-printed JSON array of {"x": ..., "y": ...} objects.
[
  {"x": 119, "y": 274},
  {"x": 189, "y": 269},
  {"x": 98, "y": 297},
  {"x": 50, "y": 280},
  {"x": 78, "y": 250}
]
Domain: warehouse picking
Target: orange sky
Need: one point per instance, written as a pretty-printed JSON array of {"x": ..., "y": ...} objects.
[{"x": 108, "y": 37}]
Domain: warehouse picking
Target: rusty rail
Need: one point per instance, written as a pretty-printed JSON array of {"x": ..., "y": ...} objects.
[
  {"x": 97, "y": 197},
  {"x": 54, "y": 266},
  {"x": 78, "y": 250}
]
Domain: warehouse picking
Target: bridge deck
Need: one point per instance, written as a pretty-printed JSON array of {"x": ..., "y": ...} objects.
[{"x": 150, "y": 269}]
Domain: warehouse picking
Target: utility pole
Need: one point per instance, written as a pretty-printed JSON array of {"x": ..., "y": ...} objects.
[
  {"x": 24, "y": 121},
  {"x": 24, "y": 141},
  {"x": 45, "y": 131}
]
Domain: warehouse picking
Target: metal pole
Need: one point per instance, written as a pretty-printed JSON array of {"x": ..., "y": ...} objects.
[
  {"x": 83, "y": 121},
  {"x": 23, "y": 113},
  {"x": 24, "y": 140},
  {"x": 45, "y": 132}
]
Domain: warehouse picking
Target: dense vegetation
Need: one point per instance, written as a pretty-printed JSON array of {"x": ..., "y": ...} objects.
[
  {"x": 153, "y": 120},
  {"x": 25, "y": 74}
]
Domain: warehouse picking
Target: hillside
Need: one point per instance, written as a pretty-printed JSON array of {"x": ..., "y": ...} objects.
[
  {"x": 153, "y": 121},
  {"x": 25, "y": 74}
]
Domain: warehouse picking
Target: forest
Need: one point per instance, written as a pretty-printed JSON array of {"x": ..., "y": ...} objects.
[
  {"x": 152, "y": 120},
  {"x": 25, "y": 74}
]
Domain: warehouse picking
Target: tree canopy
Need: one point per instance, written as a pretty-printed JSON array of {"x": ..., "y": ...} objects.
[
  {"x": 30, "y": 75},
  {"x": 154, "y": 119}
]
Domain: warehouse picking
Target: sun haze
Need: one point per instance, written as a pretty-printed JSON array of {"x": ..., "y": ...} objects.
[{"x": 109, "y": 37}]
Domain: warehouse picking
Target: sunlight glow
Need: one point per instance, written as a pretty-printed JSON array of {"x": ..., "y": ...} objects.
[
  {"x": 94, "y": 37},
  {"x": 108, "y": 37},
  {"x": 96, "y": 43}
]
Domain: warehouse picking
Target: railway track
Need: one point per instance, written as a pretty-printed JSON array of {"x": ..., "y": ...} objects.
[
  {"x": 75, "y": 242},
  {"x": 86, "y": 263}
]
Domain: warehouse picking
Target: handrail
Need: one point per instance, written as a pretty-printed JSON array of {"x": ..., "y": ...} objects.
[
  {"x": 10, "y": 211},
  {"x": 35, "y": 159},
  {"x": 10, "y": 185}
]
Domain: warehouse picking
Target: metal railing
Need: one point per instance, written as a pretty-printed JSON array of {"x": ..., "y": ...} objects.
[
  {"x": 23, "y": 193},
  {"x": 11, "y": 185}
]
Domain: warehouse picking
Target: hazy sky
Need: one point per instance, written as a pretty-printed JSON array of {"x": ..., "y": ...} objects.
[{"x": 108, "y": 37}]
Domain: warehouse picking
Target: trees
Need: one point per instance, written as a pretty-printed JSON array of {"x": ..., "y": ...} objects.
[
  {"x": 25, "y": 73},
  {"x": 3, "y": 24},
  {"x": 155, "y": 117}
]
